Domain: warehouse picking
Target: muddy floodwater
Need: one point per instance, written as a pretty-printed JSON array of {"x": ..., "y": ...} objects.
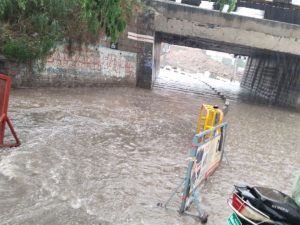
[{"x": 109, "y": 155}]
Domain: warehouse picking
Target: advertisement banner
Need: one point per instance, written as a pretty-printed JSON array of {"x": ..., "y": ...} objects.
[{"x": 208, "y": 157}]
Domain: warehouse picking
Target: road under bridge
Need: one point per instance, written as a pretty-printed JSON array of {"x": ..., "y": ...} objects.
[{"x": 272, "y": 72}]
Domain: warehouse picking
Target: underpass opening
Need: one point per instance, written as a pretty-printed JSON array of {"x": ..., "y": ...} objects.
[
  {"x": 268, "y": 77},
  {"x": 200, "y": 71},
  {"x": 272, "y": 75}
]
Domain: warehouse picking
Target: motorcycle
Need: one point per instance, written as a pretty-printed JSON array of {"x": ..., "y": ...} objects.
[{"x": 262, "y": 206}]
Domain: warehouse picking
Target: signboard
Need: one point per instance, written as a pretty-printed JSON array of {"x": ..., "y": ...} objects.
[
  {"x": 207, "y": 159},
  {"x": 141, "y": 37},
  {"x": 206, "y": 155}
]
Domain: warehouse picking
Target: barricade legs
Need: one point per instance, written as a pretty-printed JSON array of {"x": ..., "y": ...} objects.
[{"x": 5, "y": 120}]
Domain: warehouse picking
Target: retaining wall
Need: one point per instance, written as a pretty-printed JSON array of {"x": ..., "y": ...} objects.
[
  {"x": 98, "y": 65},
  {"x": 91, "y": 66},
  {"x": 275, "y": 79}
]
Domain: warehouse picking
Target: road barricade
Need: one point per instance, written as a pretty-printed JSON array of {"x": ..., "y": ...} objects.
[
  {"x": 5, "y": 85},
  {"x": 205, "y": 157}
]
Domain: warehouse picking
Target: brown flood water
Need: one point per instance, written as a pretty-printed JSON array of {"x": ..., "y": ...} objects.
[{"x": 109, "y": 155}]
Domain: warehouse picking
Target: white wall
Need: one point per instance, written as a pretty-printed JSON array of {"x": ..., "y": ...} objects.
[{"x": 255, "y": 13}]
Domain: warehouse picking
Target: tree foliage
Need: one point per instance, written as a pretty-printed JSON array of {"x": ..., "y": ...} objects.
[
  {"x": 230, "y": 3},
  {"x": 31, "y": 29}
]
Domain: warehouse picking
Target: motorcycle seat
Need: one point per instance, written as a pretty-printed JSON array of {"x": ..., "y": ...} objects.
[
  {"x": 274, "y": 196},
  {"x": 279, "y": 202}
]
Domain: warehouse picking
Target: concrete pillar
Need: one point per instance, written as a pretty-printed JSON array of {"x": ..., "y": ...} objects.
[
  {"x": 145, "y": 63},
  {"x": 142, "y": 25},
  {"x": 274, "y": 78},
  {"x": 148, "y": 64},
  {"x": 144, "y": 67}
]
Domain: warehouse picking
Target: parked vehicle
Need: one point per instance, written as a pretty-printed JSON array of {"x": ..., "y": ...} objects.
[{"x": 263, "y": 206}]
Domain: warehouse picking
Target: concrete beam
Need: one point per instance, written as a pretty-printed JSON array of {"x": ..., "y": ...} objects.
[
  {"x": 251, "y": 33},
  {"x": 207, "y": 44}
]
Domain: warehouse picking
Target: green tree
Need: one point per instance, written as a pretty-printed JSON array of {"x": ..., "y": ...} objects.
[
  {"x": 31, "y": 29},
  {"x": 231, "y": 4}
]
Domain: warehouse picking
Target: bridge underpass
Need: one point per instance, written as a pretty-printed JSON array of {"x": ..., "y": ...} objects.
[
  {"x": 273, "y": 47},
  {"x": 270, "y": 76},
  {"x": 209, "y": 74}
]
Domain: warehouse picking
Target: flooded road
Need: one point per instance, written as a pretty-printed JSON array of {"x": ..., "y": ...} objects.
[
  {"x": 109, "y": 155},
  {"x": 200, "y": 84}
]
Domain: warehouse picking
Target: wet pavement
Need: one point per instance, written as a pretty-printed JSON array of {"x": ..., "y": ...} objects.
[
  {"x": 109, "y": 155},
  {"x": 200, "y": 84}
]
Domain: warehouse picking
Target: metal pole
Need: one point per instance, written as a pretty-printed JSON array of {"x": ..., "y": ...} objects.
[
  {"x": 186, "y": 190},
  {"x": 168, "y": 201}
]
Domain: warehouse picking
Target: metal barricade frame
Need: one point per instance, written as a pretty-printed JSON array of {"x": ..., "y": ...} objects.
[
  {"x": 190, "y": 193},
  {"x": 4, "y": 119}
]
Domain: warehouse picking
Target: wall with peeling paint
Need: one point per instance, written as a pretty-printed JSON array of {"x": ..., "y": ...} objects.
[
  {"x": 97, "y": 65},
  {"x": 91, "y": 66}
]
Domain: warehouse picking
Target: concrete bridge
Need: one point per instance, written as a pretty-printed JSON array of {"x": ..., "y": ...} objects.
[
  {"x": 273, "y": 47},
  {"x": 272, "y": 72}
]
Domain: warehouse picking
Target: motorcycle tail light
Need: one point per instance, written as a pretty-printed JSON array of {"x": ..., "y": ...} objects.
[{"x": 237, "y": 203}]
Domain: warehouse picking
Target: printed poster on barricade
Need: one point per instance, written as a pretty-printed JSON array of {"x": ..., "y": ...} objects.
[{"x": 207, "y": 160}]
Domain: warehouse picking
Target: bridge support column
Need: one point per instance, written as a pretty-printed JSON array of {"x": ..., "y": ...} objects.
[
  {"x": 274, "y": 78},
  {"x": 148, "y": 64},
  {"x": 145, "y": 59},
  {"x": 144, "y": 67}
]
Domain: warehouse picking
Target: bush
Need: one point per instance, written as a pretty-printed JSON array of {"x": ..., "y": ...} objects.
[{"x": 30, "y": 29}]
